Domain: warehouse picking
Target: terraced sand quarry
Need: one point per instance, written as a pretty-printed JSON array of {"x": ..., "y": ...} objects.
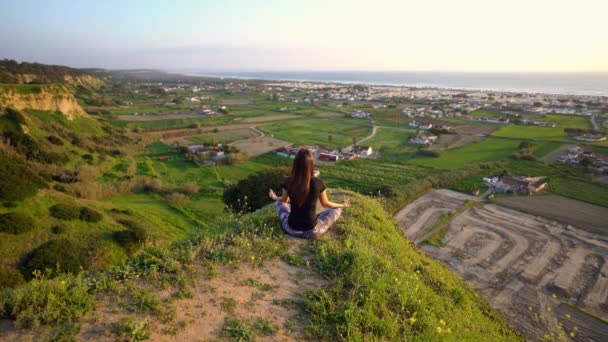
[{"x": 544, "y": 276}]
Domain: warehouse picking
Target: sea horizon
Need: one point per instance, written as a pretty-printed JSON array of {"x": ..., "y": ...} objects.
[{"x": 553, "y": 83}]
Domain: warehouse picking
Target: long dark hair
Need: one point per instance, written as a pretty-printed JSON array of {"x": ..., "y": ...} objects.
[{"x": 301, "y": 173}]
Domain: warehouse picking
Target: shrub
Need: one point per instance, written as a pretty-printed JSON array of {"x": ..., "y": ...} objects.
[
  {"x": 90, "y": 215},
  {"x": 46, "y": 301},
  {"x": 429, "y": 153},
  {"x": 14, "y": 115},
  {"x": 145, "y": 184},
  {"x": 10, "y": 277},
  {"x": 385, "y": 191},
  {"x": 177, "y": 198},
  {"x": 58, "y": 229},
  {"x": 55, "y": 140},
  {"x": 245, "y": 195},
  {"x": 55, "y": 255},
  {"x": 191, "y": 188},
  {"x": 18, "y": 181},
  {"x": 16, "y": 223},
  {"x": 65, "y": 211},
  {"x": 131, "y": 236}
]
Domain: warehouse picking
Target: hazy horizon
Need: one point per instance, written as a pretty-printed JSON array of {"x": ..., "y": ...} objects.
[{"x": 339, "y": 35}]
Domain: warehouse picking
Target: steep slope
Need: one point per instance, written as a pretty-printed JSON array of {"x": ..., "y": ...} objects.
[
  {"x": 13, "y": 72},
  {"x": 49, "y": 97},
  {"x": 362, "y": 281}
]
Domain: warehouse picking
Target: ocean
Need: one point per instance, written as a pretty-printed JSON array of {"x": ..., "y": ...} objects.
[{"x": 592, "y": 84}]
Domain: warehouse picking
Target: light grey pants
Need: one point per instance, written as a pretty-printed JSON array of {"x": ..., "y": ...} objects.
[{"x": 324, "y": 220}]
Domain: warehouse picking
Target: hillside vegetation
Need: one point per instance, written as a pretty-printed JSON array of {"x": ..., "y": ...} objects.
[
  {"x": 376, "y": 286},
  {"x": 14, "y": 72}
]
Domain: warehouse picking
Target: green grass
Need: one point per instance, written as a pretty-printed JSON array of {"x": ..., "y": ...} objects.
[
  {"x": 595, "y": 193},
  {"x": 479, "y": 113},
  {"x": 530, "y": 132},
  {"x": 365, "y": 176},
  {"x": 541, "y": 149},
  {"x": 382, "y": 287},
  {"x": 490, "y": 149},
  {"x": 315, "y": 131},
  {"x": 569, "y": 121}
]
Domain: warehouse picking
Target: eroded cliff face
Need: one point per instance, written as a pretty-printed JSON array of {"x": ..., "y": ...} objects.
[{"x": 43, "y": 97}]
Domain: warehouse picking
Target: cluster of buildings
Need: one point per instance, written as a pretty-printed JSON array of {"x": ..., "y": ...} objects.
[
  {"x": 515, "y": 184},
  {"x": 577, "y": 156},
  {"x": 590, "y": 137},
  {"x": 424, "y": 139},
  {"x": 359, "y": 114},
  {"x": 326, "y": 155}
]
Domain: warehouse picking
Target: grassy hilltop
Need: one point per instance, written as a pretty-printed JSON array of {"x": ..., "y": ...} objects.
[{"x": 373, "y": 284}]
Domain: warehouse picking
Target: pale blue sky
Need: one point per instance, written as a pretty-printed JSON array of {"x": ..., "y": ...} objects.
[{"x": 468, "y": 35}]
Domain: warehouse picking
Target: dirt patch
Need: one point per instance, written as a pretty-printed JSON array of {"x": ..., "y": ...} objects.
[
  {"x": 450, "y": 141},
  {"x": 586, "y": 216},
  {"x": 267, "y": 118},
  {"x": 424, "y": 212},
  {"x": 158, "y": 117},
  {"x": 553, "y": 156},
  {"x": 261, "y": 145},
  {"x": 236, "y": 102},
  {"x": 525, "y": 265},
  {"x": 265, "y": 299}
]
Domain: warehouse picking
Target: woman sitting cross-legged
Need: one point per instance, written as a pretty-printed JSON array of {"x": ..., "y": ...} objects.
[{"x": 303, "y": 190}]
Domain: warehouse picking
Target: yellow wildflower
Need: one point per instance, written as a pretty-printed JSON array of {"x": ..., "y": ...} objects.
[
  {"x": 438, "y": 330},
  {"x": 442, "y": 322},
  {"x": 413, "y": 320}
]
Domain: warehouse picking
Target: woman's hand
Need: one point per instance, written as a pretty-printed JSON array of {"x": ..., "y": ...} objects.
[
  {"x": 272, "y": 195},
  {"x": 346, "y": 204}
]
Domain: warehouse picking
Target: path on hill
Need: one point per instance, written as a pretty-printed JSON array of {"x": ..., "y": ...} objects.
[
  {"x": 350, "y": 147},
  {"x": 594, "y": 123}
]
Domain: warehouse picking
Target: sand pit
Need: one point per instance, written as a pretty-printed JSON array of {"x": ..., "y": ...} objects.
[{"x": 524, "y": 265}]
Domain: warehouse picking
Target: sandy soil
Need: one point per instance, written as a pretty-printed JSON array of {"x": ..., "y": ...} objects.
[
  {"x": 526, "y": 266},
  {"x": 256, "y": 292}
]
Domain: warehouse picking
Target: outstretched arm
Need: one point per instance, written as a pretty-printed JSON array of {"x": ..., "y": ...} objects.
[
  {"x": 283, "y": 198},
  {"x": 329, "y": 204}
]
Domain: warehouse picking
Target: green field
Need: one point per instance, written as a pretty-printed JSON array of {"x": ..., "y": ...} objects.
[
  {"x": 484, "y": 113},
  {"x": 490, "y": 149},
  {"x": 568, "y": 121},
  {"x": 531, "y": 133},
  {"x": 315, "y": 131}
]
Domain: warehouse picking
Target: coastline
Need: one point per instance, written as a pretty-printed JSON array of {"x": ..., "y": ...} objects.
[{"x": 543, "y": 90}]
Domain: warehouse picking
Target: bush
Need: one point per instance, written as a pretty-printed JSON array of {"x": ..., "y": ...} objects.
[
  {"x": 58, "y": 229},
  {"x": 249, "y": 194},
  {"x": 55, "y": 255},
  {"x": 14, "y": 115},
  {"x": 46, "y": 302},
  {"x": 55, "y": 140},
  {"x": 16, "y": 223},
  {"x": 191, "y": 188},
  {"x": 177, "y": 198},
  {"x": 90, "y": 215},
  {"x": 429, "y": 153},
  {"x": 10, "y": 277},
  {"x": 131, "y": 236},
  {"x": 385, "y": 191},
  {"x": 65, "y": 211},
  {"x": 18, "y": 181}
]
